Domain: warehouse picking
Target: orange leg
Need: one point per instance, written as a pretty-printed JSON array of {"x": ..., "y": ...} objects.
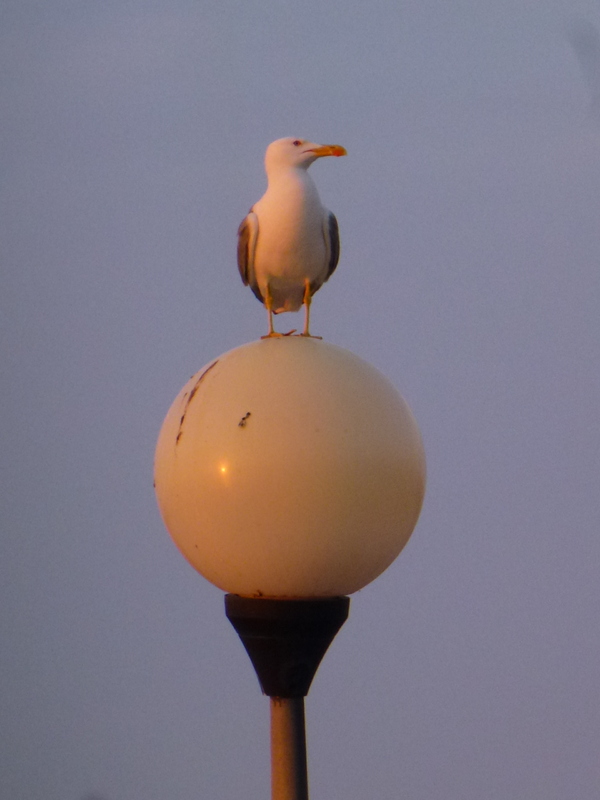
[
  {"x": 307, "y": 301},
  {"x": 269, "y": 306}
]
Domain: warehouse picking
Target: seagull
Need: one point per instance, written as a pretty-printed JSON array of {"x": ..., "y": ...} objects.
[{"x": 288, "y": 244}]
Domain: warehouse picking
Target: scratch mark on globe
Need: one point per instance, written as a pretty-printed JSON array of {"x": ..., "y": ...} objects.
[{"x": 190, "y": 398}]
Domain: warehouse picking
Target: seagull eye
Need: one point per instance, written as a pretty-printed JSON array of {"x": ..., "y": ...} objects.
[{"x": 297, "y": 142}]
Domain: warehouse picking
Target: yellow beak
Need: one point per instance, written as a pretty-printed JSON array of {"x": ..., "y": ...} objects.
[{"x": 329, "y": 150}]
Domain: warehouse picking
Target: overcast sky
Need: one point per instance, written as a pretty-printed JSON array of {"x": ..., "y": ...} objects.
[{"x": 132, "y": 142}]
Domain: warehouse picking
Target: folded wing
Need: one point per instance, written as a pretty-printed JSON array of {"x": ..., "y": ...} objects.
[{"x": 247, "y": 238}]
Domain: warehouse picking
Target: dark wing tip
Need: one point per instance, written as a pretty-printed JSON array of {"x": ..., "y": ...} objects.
[
  {"x": 243, "y": 247},
  {"x": 247, "y": 233},
  {"x": 334, "y": 244}
]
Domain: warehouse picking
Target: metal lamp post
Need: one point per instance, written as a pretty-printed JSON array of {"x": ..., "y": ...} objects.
[{"x": 290, "y": 473}]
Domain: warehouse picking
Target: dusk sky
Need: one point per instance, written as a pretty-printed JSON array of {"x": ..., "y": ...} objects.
[{"x": 132, "y": 142}]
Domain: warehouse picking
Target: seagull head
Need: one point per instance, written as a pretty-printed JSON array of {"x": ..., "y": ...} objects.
[{"x": 293, "y": 152}]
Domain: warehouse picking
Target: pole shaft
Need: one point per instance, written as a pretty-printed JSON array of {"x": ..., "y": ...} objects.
[{"x": 289, "y": 778}]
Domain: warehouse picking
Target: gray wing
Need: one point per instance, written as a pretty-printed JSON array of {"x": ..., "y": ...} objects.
[
  {"x": 247, "y": 238},
  {"x": 332, "y": 240}
]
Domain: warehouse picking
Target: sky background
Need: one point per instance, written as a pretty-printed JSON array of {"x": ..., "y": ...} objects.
[{"x": 131, "y": 145}]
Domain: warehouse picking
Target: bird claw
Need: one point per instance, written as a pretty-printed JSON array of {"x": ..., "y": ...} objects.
[{"x": 275, "y": 335}]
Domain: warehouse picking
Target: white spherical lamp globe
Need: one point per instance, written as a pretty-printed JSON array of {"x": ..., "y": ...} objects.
[{"x": 290, "y": 468}]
